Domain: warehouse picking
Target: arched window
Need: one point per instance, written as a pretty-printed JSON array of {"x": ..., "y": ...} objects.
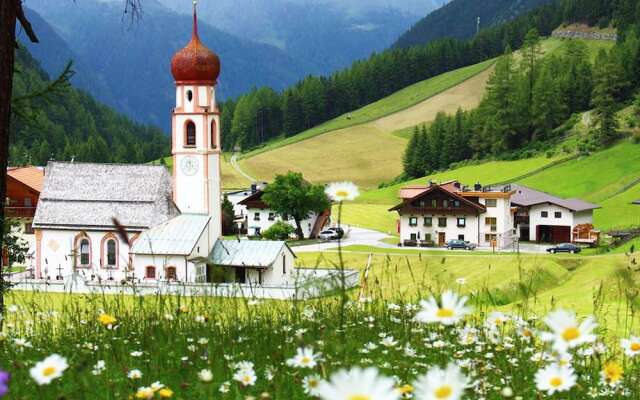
[
  {"x": 171, "y": 273},
  {"x": 111, "y": 253},
  {"x": 82, "y": 251},
  {"x": 150, "y": 272},
  {"x": 214, "y": 135},
  {"x": 190, "y": 134}
]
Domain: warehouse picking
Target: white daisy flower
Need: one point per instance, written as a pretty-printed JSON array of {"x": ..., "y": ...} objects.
[
  {"x": 145, "y": 393},
  {"x": 566, "y": 332},
  {"x": 358, "y": 383},
  {"x": 205, "y": 375},
  {"x": 631, "y": 346},
  {"x": 305, "y": 358},
  {"x": 496, "y": 319},
  {"x": 449, "y": 312},
  {"x": 48, "y": 369},
  {"x": 441, "y": 384},
  {"x": 310, "y": 384},
  {"x": 555, "y": 378},
  {"x": 245, "y": 377},
  {"x": 134, "y": 374},
  {"x": 342, "y": 191}
]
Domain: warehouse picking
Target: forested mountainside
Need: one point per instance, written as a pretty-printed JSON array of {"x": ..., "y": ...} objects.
[
  {"x": 128, "y": 67},
  {"x": 459, "y": 19},
  {"x": 533, "y": 100},
  {"x": 70, "y": 123}
]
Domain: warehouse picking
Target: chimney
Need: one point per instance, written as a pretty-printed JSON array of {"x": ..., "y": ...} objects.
[
  {"x": 254, "y": 188},
  {"x": 457, "y": 184},
  {"x": 477, "y": 187}
]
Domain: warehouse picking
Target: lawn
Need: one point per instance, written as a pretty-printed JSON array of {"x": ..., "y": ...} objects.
[
  {"x": 370, "y": 216},
  {"x": 618, "y": 211}
]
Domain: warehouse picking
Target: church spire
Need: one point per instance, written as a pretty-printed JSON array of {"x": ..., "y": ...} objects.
[{"x": 195, "y": 19}]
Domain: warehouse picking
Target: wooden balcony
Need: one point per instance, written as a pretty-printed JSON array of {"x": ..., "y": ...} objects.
[{"x": 20, "y": 212}]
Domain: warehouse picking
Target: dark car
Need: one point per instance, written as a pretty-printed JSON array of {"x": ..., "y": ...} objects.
[
  {"x": 564, "y": 248},
  {"x": 460, "y": 244}
]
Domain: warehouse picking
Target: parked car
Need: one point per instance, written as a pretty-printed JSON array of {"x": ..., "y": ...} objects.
[
  {"x": 337, "y": 230},
  {"x": 564, "y": 248},
  {"x": 329, "y": 235},
  {"x": 460, "y": 244}
]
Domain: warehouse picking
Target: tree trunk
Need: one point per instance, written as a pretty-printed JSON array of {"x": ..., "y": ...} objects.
[
  {"x": 8, "y": 16},
  {"x": 299, "y": 232}
]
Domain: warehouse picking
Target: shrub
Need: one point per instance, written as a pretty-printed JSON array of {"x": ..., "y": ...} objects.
[{"x": 278, "y": 231}]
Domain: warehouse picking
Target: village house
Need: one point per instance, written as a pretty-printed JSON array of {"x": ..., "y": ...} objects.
[
  {"x": 240, "y": 210},
  {"x": 489, "y": 216},
  {"x": 259, "y": 217}
]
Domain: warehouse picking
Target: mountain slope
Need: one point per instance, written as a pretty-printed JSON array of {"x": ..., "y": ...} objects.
[
  {"x": 134, "y": 62},
  {"x": 458, "y": 19}
]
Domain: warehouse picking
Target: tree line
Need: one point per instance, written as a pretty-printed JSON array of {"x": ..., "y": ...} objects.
[
  {"x": 530, "y": 101},
  {"x": 72, "y": 125}
]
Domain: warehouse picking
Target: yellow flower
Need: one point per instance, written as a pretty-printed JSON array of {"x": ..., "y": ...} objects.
[
  {"x": 612, "y": 372},
  {"x": 144, "y": 393},
  {"x": 106, "y": 319},
  {"x": 405, "y": 389},
  {"x": 165, "y": 393}
]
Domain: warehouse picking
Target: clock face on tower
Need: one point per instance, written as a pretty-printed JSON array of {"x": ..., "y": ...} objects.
[{"x": 189, "y": 165}]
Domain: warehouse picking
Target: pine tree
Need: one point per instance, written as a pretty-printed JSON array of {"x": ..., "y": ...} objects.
[
  {"x": 409, "y": 161},
  {"x": 608, "y": 78},
  {"x": 548, "y": 108}
]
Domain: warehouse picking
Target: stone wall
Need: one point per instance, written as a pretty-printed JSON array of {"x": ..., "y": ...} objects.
[{"x": 568, "y": 34}]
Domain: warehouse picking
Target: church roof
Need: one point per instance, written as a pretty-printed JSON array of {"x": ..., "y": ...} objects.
[
  {"x": 86, "y": 195},
  {"x": 246, "y": 253},
  {"x": 177, "y": 236}
]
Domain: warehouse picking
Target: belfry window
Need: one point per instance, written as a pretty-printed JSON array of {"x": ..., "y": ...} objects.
[
  {"x": 214, "y": 142},
  {"x": 190, "y": 139},
  {"x": 189, "y": 95}
]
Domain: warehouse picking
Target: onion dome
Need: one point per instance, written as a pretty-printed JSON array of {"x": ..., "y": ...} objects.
[{"x": 195, "y": 63}]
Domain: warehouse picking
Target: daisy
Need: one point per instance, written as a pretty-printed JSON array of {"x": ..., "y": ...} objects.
[
  {"x": 496, "y": 319},
  {"x": 631, "y": 346},
  {"x": 566, "y": 332},
  {"x": 357, "y": 383},
  {"x": 144, "y": 393},
  {"x": 48, "y": 369},
  {"x": 134, "y": 374},
  {"x": 310, "y": 384},
  {"x": 245, "y": 377},
  {"x": 205, "y": 375},
  {"x": 441, "y": 384},
  {"x": 612, "y": 373},
  {"x": 303, "y": 359},
  {"x": 449, "y": 312},
  {"x": 555, "y": 378},
  {"x": 342, "y": 191}
]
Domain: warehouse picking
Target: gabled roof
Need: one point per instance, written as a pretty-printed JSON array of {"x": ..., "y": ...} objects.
[
  {"x": 443, "y": 188},
  {"x": 33, "y": 177},
  {"x": 254, "y": 199},
  {"x": 246, "y": 253},
  {"x": 408, "y": 192},
  {"x": 527, "y": 197},
  {"x": 177, "y": 236},
  {"x": 86, "y": 195}
]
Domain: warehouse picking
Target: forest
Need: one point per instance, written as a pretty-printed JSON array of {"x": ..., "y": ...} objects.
[{"x": 69, "y": 124}]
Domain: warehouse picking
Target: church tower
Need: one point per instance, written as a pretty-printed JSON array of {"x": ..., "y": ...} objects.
[{"x": 196, "y": 132}]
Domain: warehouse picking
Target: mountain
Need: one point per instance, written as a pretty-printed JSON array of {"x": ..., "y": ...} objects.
[
  {"x": 128, "y": 67},
  {"x": 69, "y": 123},
  {"x": 331, "y": 34},
  {"x": 459, "y": 19}
]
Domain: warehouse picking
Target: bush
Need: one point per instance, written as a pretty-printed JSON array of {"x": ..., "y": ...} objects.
[{"x": 278, "y": 231}]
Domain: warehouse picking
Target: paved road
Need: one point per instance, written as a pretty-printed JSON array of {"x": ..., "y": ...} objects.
[
  {"x": 353, "y": 236},
  {"x": 236, "y": 166}
]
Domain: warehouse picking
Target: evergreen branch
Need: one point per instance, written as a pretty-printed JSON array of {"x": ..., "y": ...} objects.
[{"x": 55, "y": 87}]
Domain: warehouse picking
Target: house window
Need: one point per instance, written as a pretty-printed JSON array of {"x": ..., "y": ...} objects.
[
  {"x": 462, "y": 222},
  {"x": 171, "y": 273},
  {"x": 434, "y": 203},
  {"x": 490, "y": 237},
  {"x": 190, "y": 134},
  {"x": 491, "y": 202},
  {"x": 256, "y": 216},
  {"x": 422, "y": 204},
  {"x": 27, "y": 202},
  {"x": 272, "y": 216},
  {"x": 150, "y": 272},
  {"x": 544, "y": 214},
  {"x": 460, "y": 237},
  {"x": 445, "y": 203},
  {"x": 492, "y": 222},
  {"x": 428, "y": 221},
  {"x": 427, "y": 237},
  {"x": 413, "y": 221},
  {"x": 214, "y": 136},
  {"x": 414, "y": 237},
  {"x": 557, "y": 214},
  {"x": 111, "y": 253},
  {"x": 442, "y": 222},
  {"x": 456, "y": 203},
  {"x": 28, "y": 228}
]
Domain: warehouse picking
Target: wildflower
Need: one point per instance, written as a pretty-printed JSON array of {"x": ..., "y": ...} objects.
[
  {"x": 107, "y": 320},
  {"x": 99, "y": 367},
  {"x": 144, "y": 393},
  {"x": 134, "y": 374},
  {"x": 566, "y": 332},
  {"x": 303, "y": 359},
  {"x": 48, "y": 369},
  {"x": 506, "y": 392},
  {"x": 310, "y": 385},
  {"x": 555, "y": 378},
  {"x": 224, "y": 388},
  {"x": 612, "y": 373},
  {"x": 245, "y": 377},
  {"x": 631, "y": 346},
  {"x": 342, "y": 191},
  {"x": 438, "y": 383},
  {"x": 136, "y": 353},
  {"x": 496, "y": 319},
  {"x": 405, "y": 390},
  {"x": 449, "y": 312},
  {"x": 5, "y": 377},
  {"x": 165, "y": 393},
  {"x": 358, "y": 383},
  {"x": 205, "y": 375}
]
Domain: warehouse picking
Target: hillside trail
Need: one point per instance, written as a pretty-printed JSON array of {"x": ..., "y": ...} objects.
[{"x": 236, "y": 166}]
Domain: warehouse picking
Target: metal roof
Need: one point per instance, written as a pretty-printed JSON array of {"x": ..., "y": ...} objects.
[
  {"x": 177, "y": 236},
  {"x": 246, "y": 253},
  {"x": 525, "y": 196}
]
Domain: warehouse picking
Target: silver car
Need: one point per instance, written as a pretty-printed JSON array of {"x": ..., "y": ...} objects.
[{"x": 328, "y": 235}]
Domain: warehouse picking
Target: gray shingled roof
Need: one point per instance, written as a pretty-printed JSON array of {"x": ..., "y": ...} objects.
[
  {"x": 246, "y": 253},
  {"x": 527, "y": 197},
  {"x": 86, "y": 195},
  {"x": 177, "y": 236}
]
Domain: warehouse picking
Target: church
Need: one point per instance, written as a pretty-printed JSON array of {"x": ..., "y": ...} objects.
[{"x": 140, "y": 223}]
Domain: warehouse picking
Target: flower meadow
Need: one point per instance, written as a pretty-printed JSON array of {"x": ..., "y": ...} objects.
[{"x": 439, "y": 347}]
